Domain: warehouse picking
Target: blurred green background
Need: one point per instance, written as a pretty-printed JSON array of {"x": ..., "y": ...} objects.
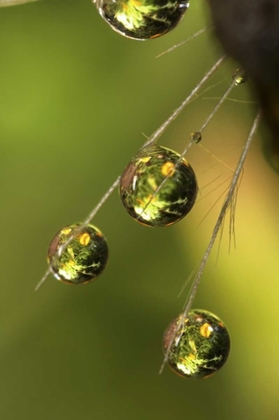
[{"x": 75, "y": 98}]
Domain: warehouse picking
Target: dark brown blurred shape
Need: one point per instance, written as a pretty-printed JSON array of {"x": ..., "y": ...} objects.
[{"x": 249, "y": 32}]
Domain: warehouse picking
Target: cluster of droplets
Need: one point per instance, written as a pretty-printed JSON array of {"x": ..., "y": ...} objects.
[{"x": 158, "y": 188}]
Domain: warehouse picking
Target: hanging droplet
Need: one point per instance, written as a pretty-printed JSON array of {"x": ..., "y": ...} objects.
[
  {"x": 142, "y": 19},
  {"x": 83, "y": 259},
  {"x": 143, "y": 177},
  {"x": 195, "y": 137},
  {"x": 201, "y": 344},
  {"x": 239, "y": 76}
]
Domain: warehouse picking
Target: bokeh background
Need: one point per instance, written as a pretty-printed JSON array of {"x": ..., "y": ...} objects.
[{"x": 76, "y": 102}]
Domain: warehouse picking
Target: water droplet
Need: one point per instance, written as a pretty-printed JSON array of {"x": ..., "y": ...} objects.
[
  {"x": 195, "y": 137},
  {"x": 201, "y": 344},
  {"x": 142, "y": 19},
  {"x": 239, "y": 76},
  {"x": 83, "y": 259},
  {"x": 142, "y": 178}
]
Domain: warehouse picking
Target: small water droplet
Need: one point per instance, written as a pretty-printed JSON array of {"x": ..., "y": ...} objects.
[
  {"x": 195, "y": 137},
  {"x": 239, "y": 76}
]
